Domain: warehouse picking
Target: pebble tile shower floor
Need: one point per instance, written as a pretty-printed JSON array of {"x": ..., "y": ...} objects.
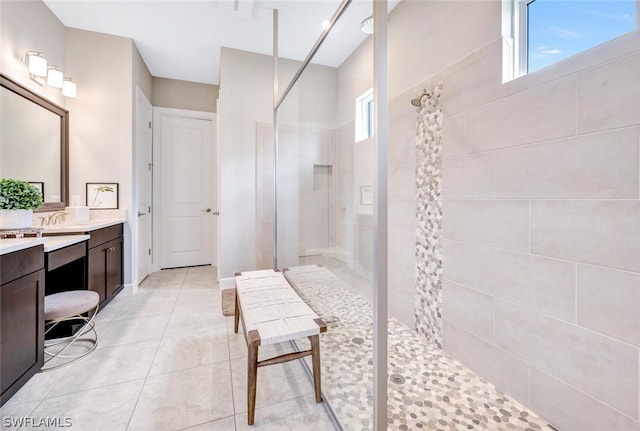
[{"x": 428, "y": 389}]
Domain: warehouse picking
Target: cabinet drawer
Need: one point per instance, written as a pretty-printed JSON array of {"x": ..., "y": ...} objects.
[
  {"x": 56, "y": 259},
  {"x": 103, "y": 235},
  {"x": 20, "y": 263}
]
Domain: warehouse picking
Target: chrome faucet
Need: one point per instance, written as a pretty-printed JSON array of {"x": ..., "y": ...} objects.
[{"x": 56, "y": 217}]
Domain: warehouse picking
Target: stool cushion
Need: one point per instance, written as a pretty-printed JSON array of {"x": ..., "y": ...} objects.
[{"x": 70, "y": 303}]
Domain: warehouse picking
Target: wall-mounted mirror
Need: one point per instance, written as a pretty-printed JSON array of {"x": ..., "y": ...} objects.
[{"x": 34, "y": 142}]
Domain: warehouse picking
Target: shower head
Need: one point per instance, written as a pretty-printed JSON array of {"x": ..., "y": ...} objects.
[{"x": 417, "y": 102}]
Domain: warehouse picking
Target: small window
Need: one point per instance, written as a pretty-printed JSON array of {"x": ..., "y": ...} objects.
[
  {"x": 364, "y": 115},
  {"x": 542, "y": 32}
]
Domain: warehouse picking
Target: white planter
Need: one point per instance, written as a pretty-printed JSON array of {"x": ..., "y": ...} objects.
[{"x": 16, "y": 219}]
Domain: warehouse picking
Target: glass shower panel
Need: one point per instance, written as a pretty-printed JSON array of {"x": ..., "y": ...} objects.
[
  {"x": 306, "y": 19},
  {"x": 325, "y": 189}
]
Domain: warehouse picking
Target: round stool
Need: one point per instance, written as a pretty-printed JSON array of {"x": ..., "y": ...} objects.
[{"x": 66, "y": 306}]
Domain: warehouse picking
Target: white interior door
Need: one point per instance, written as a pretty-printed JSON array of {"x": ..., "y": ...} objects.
[
  {"x": 187, "y": 186},
  {"x": 144, "y": 143}
]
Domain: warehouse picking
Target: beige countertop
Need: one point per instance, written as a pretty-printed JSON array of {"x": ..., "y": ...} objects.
[
  {"x": 9, "y": 245},
  {"x": 87, "y": 226},
  {"x": 51, "y": 243}
]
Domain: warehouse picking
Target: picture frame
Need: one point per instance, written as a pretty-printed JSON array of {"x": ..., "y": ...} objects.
[
  {"x": 366, "y": 195},
  {"x": 38, "y": 185},
  {"x": 102, "y": 196}
]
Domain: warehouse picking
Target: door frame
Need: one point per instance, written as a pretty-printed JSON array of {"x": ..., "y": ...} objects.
[
  {"x": 141, "y": 99},
  {"x": 158, "y": 114}
]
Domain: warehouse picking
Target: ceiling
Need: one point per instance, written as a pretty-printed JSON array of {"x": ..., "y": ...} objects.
[{"x": 181, "y": 39}]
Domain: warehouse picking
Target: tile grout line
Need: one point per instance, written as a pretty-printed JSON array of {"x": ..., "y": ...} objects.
[{"x": 135, "y": 406}]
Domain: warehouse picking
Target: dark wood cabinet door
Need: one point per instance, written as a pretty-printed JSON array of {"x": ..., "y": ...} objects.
[
  {"x": 105, "y": 273},
  {"x": 97, "y": 270},
  {"x": 21, "y": 331},
  {"x": 114, "y": 266}
]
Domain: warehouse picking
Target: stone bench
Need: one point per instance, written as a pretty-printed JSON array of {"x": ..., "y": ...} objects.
[{"x": 272, "y": 312}]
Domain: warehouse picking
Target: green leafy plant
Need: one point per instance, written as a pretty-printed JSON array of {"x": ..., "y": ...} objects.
[{"x": 19, "y": 195}]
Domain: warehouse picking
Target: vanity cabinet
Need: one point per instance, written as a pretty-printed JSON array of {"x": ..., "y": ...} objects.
[
  {"x": 104, "y": 268},
  {"x": 21, "y": 318}
]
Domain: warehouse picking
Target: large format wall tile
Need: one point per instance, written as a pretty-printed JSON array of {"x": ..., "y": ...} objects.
[
  {"x": 576, "y": 355},
  {"x": 479, "y": 83},
  {"x": 602, "y": 165},
  {"x": 402, "y": 183},
  {"x": 609, "y": 95},
  {"x": 402, "y": 133},
  {"x": 501, "y": 368},
  {"x": 542, "y": 113},
  {"x": 453, "y": 136},
  {"x": 454, "y": 261},
  {"x": 402, "y": 216},
  {"x": 605, "y": 233},
  {"x": 468, "y": 309},
  {"x": 545, "y": 285},
  {"x": 469, "y": 177},
  {"x": 569, "y": 409},
  {"x": 503, "y": 224},
  {"x": 609, "y": 302},
  {"x": 402, "y": 286}
]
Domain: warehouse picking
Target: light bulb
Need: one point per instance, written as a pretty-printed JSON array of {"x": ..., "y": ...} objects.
[
  {"x": 69, "y": 88},
  {"x": 55, "y": 78},
  {"x": 36, "y": 63}
]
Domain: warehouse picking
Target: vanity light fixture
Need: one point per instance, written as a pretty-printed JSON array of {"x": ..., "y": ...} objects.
[
  {"x": 69, "y": 88},
  {"x": 50, "y": 75},
  {"x": 36, "y": 63},
  {"x": 367, "y": 25},
  {"x": 55, "y": 78}
]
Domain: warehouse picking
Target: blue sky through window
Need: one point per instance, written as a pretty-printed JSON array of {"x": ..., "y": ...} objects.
[{"x": 560, "y": 29}]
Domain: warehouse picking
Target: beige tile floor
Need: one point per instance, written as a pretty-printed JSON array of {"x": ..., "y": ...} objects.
[{"x": 168, "y": 360}]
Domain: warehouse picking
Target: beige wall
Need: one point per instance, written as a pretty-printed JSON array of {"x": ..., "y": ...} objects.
[
  {"x": 246, "y": 100},
  {"x": 31, "y": 26},
  {"x": 172, "y": 93},
  {"x": 106, "y": 69},
  {"x": 246, "y": 97},
  {"x": 101, "y": 118},
  {"x": 141, "y": 76}
]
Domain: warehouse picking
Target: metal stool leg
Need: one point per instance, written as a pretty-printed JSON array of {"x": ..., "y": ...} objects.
[{"x": 89, "y": 326}]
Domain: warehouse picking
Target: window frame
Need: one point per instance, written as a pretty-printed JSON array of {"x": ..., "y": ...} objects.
[
  {"x": 515, "y": 32},
  {"x": 522, "y": 16},
  {"x": 515, "y": 35},
  {"x": 364, "y": 116}
]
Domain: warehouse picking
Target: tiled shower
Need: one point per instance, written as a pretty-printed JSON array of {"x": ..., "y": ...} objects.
[{"x": 528, "y": 273}]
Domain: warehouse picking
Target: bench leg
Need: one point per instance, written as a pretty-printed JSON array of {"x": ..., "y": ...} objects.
[
  {"x": 315, "y": 360},
  {"x": 252, "y": 377},
  {"x": 236, "y": 315}
]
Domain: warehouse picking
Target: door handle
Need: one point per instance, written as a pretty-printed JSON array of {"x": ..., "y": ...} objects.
[
  {"x": 141, "y": 214},
  {"x": 208, "y": 210},
  {"x": 216, "y": 213}
]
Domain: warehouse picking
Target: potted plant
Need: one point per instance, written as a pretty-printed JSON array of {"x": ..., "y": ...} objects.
[{"x": 18, "y": 199}]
